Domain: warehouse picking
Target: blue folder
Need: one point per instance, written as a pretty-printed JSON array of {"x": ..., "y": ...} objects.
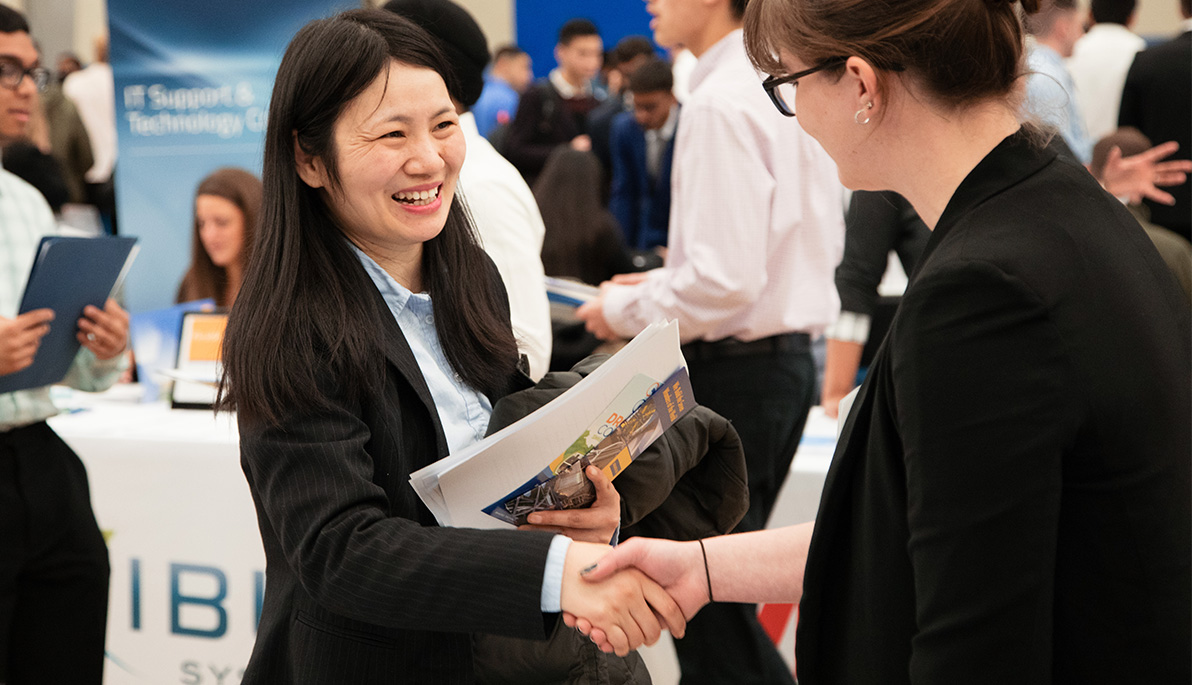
[{"x": 67, "y": 275}]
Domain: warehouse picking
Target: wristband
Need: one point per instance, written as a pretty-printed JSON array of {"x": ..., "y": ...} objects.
[{"x": 707, "y": 573}]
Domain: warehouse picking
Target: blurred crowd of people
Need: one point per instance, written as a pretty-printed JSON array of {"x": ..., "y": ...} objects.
[{"x": 69, "y": 149}]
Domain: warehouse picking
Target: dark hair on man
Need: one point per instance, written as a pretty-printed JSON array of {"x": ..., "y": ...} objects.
[
  {"x": 1040, "y": 23},
  {"x": 506, "y": 51},
  {"x": 1186, "y": 8},
  {"x": 204, "y": 279},
  {"x": 12, "y": 21},
  {"x": 651, "y": 77},
  {"x": 962, "y": 51},
  {"x": 628, "y": 48},
  {"x": 1128, "y": 139},
  {"x": 457, "y": 35},
  {"x": 1112, "y": 11},
  {"x": 306, "y": 309},
  {"x": 576, "y": 28}
]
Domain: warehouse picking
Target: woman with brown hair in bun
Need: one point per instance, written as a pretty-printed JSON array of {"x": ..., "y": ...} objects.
[
  {"x": 227, "y": 204},
  {"x": 1009, "y": 501}
]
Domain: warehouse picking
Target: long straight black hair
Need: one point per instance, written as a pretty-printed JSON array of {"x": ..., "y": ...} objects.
[
  {"x": 582, "y": 238},
  {"x": 306, "y": 309}
]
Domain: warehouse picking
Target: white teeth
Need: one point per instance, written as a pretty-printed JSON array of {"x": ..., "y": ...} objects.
[{"x": 418, "y": 198}]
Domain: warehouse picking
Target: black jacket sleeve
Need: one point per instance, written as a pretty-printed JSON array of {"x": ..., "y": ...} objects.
[
  {"x": 872, "y": 227},
  {"x": 690, "y": 483},
  {"x": 525, "y": 146},
  {"x": 984, "y": 390}
]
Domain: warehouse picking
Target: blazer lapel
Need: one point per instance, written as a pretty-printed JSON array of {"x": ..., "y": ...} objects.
[{"x": 401, "y": 357}]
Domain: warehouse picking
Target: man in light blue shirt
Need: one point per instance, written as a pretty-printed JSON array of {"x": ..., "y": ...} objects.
[
  {"x": 509, "y": 76},
  {"x": 53, "y": 559},
  {"x": 1050, "y": 90}
]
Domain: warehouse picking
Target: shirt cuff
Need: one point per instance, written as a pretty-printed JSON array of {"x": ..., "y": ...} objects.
[
  {"x": 618, "y": 300},
  {"x": 552, "y": 575},
  {"x": 850, "y": 327}
]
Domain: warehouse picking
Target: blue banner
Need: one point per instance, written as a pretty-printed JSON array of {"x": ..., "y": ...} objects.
[
  {"x": 193, "y": 81},
  {"x": 539, "y": 21}
]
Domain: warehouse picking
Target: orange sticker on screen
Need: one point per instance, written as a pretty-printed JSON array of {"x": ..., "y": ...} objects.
[{"x": 206, "y": 338}]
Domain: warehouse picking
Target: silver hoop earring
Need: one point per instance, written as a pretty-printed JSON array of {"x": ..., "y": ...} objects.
[{"x": 863, "y": 111}]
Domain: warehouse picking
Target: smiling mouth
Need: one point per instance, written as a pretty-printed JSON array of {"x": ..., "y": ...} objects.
[{"x": 418, "y": 199}]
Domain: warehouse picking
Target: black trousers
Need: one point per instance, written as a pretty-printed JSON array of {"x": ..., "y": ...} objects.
[
  {"x": 767, "y": 396},
  {"x": 53, "y": 564}
]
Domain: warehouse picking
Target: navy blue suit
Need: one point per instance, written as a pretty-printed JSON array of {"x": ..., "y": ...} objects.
[{"x": 640, "y": 204}]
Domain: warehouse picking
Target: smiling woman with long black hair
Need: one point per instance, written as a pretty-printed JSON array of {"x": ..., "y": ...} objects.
[{"x": 371, "y": 337}]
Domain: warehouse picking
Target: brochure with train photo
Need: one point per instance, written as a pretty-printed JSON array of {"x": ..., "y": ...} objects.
[
  {"x": 599, "y": 409},
  {"x": 564, "y": 485}
]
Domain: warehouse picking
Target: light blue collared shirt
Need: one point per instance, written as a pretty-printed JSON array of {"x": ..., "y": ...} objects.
[
  {"x": 24, "y": 219},
  {"x": 463, "y": 411},
  {"x": 1051, "y": 97}
]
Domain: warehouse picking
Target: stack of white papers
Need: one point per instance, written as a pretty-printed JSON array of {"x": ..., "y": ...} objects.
[{"x": 458, "y": 487}]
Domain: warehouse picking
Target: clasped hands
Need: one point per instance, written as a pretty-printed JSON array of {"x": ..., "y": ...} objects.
[{"x": 674, "y": 569}]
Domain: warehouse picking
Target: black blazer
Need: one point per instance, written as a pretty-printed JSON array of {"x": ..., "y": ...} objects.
[
  {"x": 1011, "y": 498},
  {"x": 1157, "y": 100},
  {"x": 362, "y": 587}
]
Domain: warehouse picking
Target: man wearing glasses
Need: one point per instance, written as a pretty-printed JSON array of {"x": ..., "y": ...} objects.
[
  {"x": 756, "y": 230},
  {"x": 53, "y": 560}
]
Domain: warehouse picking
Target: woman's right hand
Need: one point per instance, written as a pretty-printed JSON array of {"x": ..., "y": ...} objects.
[{"x": 627, "y": 606}]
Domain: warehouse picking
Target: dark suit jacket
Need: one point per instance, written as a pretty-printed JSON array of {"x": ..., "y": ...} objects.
[
  {"x": 600, "y": 127},
  {"x": 1157, "y": 100},
  {"x": 362, "y": 586},
  {"x": 1011, "y": 500},
  {"x": 544, "y": 120},
  {"x": 640, "y": 203}
]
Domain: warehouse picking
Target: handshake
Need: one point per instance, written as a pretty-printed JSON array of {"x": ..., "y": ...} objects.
[{"x": 623, "y": 598}]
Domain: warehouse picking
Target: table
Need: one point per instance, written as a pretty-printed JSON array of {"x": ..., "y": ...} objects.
[
  {"x": 186, "y": 556},
  {"x": 187, "y": 563}
]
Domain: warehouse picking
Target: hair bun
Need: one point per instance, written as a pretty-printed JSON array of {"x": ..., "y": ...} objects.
[{"x": 1028, "y": 6}]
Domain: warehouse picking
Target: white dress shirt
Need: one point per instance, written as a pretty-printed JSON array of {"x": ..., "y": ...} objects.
[
  {"x": 1098, "y": 65},
  {"x": 93, "y": 91},
  {"x": 756, "y": 221},
  {"x": 511, "y": 231},
  {"x": 564, "y": 87}
]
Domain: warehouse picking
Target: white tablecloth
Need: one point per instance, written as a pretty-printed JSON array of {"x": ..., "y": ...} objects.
[{"x": 187, "y": 563}]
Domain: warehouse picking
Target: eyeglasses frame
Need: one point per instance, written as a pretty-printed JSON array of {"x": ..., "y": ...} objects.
[
  {"x": 32, "y": 72},
  {"x": 771, "y": 84}
]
